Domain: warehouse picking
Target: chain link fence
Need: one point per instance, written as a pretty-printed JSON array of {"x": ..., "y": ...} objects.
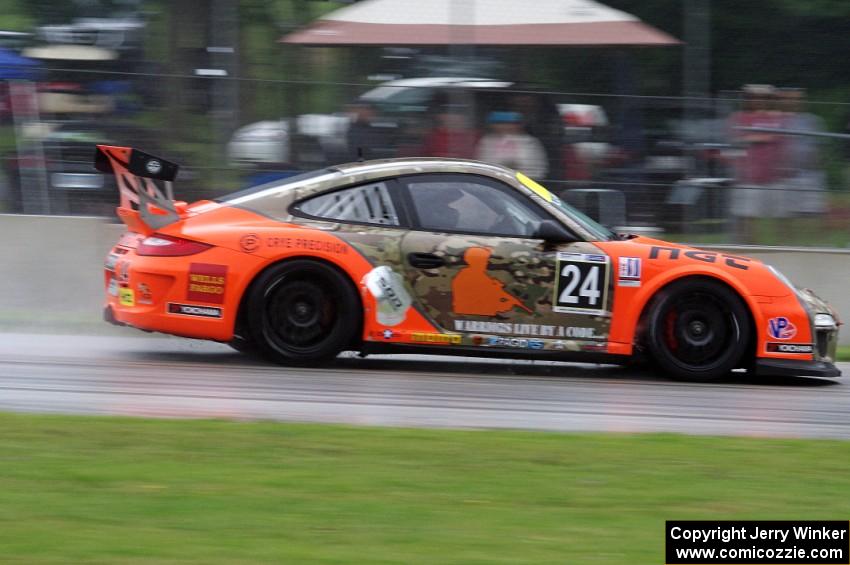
[{"x": 760, "y": 167}]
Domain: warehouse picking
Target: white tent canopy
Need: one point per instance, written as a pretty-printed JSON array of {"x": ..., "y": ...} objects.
[{"x": 479, "y": 22}]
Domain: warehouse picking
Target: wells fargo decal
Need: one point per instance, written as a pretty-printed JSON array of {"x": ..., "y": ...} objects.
[{"x": 207, "y": 283}]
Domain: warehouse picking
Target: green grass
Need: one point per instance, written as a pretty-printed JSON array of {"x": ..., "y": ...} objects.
[
  {"x": 109, "y": 490},
  {"x": 843, "y": 353}
]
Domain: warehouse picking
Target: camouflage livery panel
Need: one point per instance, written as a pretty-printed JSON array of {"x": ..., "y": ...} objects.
[{"x": 521, "y": 269}]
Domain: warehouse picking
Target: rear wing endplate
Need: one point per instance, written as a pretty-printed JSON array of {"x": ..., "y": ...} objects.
[{"x": 145, "y": 206}]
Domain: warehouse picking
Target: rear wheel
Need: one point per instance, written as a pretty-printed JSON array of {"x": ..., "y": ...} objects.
[
  {"x": 698, "y": 330},
  {"x": 303, "y": 311}
]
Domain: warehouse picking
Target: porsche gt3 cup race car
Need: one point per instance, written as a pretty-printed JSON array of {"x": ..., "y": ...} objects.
[{"x": 442, "y": 256}]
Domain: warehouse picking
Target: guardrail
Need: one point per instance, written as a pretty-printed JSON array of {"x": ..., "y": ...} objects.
[{"x": 53, "y": 269}]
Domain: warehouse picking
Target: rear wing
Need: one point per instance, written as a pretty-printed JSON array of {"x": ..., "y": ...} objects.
[{"x": 145, "y": 206}]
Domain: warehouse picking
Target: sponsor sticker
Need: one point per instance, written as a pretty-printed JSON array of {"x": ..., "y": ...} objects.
[
  {"x": 388, "y": 334},
  {"x": 129, "y": 239},
  {"x": 541, "y": 330},
  {"x": 781, "y": 328},
  {"x": 536, "y": 187},
  {"x": 392, "y": 298},
  {"x": 307, "y": 244},
  {"x": 126, "y": 297},
  {"x": 790, "y": 347},
  {"x": 206, "y": 283},
  {"x": 581, "y": 286},
  {"x": 518, "y": 342},
  {"x": 194, "y": 310},
  {"x": 153, "y": 167},
  {"x": 249, "y": 242},
  {"x": 630, "y": 271},
  {"x": 445, "y": 339},
  {"x": 111, "y": 260},
  {"x": 673, "y": 254},
  {"x": 112, "y": 289},
  {"x": 145, "y": 294},
  {"x": 122, "y": 270}
]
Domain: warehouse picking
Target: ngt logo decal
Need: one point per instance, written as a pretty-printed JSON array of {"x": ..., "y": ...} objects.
[
  {"x": 781, "y": 328},
  {"x": 705, "y": 256},
  {"x": 192, "y": 310}
]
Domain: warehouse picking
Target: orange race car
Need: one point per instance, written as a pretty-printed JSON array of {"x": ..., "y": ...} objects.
[{"x": 441, "y": 256}]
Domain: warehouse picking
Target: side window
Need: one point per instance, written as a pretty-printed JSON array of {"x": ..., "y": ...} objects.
[
  {"x": 458, "y": 203},
  {"x": 365, "y": 204}
]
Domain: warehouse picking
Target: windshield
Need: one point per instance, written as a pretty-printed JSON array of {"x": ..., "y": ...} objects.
[{"x": 600, "y": 232}]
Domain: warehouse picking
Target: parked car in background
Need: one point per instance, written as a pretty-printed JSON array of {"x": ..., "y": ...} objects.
[
  {"x": 269, "y": 143},
  {"x": 405, "y": 110},
  {"x": 60, "y": 161}
]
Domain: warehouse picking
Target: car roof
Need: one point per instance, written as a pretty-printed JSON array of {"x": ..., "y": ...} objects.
[
  {"x": 330, "y": 178},
  {"x": 413, "y": 165}
]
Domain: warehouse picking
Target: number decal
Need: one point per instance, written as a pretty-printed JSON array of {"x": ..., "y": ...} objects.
[
  {"x": 590, "y": 287},
  {"x": 582, "y": 285},
  {"x": 571, "y": 273}
]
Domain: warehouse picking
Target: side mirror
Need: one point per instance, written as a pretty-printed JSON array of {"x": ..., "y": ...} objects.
[{"x": 551, "y": 231}]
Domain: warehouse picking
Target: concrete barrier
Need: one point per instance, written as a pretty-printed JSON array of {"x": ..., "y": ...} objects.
[{"x": 53, "y": 270}]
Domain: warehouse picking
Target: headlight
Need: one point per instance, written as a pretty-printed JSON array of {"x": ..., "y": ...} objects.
[
  {"x": 782, "y": 278},
  {"x": 824, "y": 322}
]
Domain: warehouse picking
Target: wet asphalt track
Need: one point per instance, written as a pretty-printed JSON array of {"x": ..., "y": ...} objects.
[{"x": 170, "y": 377}]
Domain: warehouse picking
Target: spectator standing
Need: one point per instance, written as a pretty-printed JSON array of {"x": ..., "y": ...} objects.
[
  {"x": 804, "y": 178},
  {"x": 758, "y": 168},
  {"x": 508, "y": 144},
  {"x": 363, "y": 139},
  {"x": 451, "y": 137}
]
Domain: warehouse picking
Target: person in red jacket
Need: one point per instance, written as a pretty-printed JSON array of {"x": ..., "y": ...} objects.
[{"x": 452, "y": 137}]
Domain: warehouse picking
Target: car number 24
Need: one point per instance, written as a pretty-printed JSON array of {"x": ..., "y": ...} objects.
[{"x": 582, "y": 285}]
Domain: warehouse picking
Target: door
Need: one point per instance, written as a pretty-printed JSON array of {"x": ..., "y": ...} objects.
[{"x": 474, "y": 266}]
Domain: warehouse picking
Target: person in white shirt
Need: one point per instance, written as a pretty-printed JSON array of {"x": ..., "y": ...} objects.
[{"x": 508, "y": 144}]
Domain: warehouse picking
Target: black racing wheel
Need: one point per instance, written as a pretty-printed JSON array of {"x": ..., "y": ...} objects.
[
  {"x": 303, "y": 311},
  {"x": 698, "y": 330}
]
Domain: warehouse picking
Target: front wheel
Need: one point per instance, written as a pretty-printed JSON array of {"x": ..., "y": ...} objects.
[
  {"x": 303, "y": 311},
  {"x": 698, "y": 330}
]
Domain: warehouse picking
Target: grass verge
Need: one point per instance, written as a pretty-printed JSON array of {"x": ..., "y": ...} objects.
[{"x": 111, "y": 490}]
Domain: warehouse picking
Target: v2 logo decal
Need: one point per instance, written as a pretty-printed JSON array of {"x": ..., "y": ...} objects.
[{"x": 781, "y": 328}]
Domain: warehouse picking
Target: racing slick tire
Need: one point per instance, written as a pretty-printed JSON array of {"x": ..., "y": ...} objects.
[
  {"x": 303, "y": 311},
  {"x": 698, "y": 330}
]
